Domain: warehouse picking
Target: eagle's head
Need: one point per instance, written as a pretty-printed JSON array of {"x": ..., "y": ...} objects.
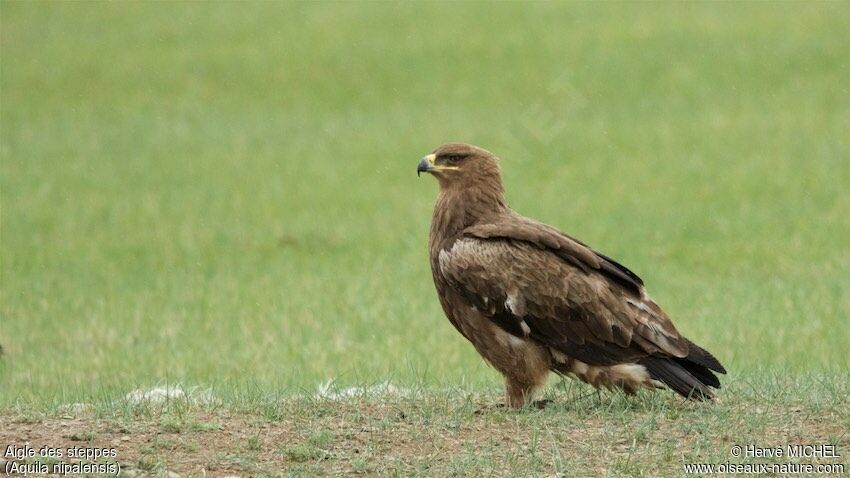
[{"x": 459, "y": 165}]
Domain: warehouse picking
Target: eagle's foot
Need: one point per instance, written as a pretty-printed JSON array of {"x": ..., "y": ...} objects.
[{"x": 541, "y": 404}]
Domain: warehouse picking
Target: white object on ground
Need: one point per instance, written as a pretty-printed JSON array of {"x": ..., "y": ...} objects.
[
  {"x": 162, "y": 394},
  {"x": 330, "y": 391}
]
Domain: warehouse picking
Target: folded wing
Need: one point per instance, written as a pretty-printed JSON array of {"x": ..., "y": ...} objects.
[{"x": 535, "y": 281}]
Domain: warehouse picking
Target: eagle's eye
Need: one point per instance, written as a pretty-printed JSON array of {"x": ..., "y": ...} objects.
[{"x": 453, "y": 158}]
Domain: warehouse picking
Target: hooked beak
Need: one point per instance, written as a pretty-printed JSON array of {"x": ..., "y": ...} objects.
[{"x": 426, "y": 164}]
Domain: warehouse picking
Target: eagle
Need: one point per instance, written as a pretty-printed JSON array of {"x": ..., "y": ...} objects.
[{"x": 534, "y": 300}]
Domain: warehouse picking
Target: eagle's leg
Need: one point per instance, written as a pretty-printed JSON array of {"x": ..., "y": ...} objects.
[
  {"x": 524, "y": 365},
  {"x": 522, "y": 385},
  {"x": 517, "y": 393}
]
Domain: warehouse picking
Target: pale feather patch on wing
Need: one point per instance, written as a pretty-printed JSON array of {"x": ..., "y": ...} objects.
[
  {"x": 639, "y": 306},
  {"x": 656, "y": 328},
  {"x": 630, "y": 371},
  {"x": 663, "y": 339},
  {"x": 515, "y": 303},
  {"x": 444, "y": 258}
]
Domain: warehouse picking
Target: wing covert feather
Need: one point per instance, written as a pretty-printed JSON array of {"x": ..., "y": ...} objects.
[{"x": 543, "y": 236}]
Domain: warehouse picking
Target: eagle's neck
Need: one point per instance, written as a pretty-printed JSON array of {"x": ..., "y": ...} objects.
[{"x": 458, "y": 208}]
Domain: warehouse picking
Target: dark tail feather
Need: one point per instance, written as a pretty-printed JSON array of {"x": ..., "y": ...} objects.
[
  {"x": 676, "y": 377},
  {"x": 690, "y": 376},
  {"x": 678, "y": 374},
  {"x": 700, "y": 356},
  {"x": 699, "y": 372}
]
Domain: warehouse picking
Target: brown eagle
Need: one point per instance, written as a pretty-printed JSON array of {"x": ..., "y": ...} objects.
[{"x": 532, "y": 299}]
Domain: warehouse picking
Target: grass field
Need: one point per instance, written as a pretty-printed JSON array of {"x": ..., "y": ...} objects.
[{"x": 223, "y": 196}]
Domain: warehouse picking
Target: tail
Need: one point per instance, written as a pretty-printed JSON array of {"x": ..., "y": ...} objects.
[{"x": 691, "y": 377}]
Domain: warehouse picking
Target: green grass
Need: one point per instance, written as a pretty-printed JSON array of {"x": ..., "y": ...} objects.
[{"x": 224, "y": 195}]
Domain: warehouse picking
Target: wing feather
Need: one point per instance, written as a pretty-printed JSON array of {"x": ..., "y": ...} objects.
[
  {"x": 576, "y": 310},
  {"x": 520, "y": 228}
]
